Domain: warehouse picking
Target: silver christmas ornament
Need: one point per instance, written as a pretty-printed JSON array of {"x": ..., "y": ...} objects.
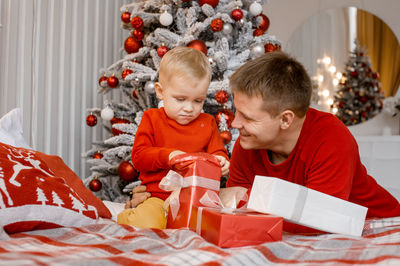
[
  {"x": 107, "y": 113},
  {"x": 255, "y": 9},
  {"x": 257, "y": 50},
  {"x": 166, "y": 19},
  {"x": 149, "y": 86},
  {"x": 227, "y": 28}
]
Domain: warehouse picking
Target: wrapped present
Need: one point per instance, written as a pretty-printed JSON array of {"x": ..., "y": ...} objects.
[
  {"x": 191, "y": 176},
  {"x": 308, "y": 207},
  {"x": 227, "y": 227}
]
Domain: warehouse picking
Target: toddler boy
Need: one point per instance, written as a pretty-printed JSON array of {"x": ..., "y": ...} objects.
[{"x": 178, "y": 127}]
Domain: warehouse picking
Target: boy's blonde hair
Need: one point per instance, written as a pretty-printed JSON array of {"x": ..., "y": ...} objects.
[{"x": 184, "y": 62}]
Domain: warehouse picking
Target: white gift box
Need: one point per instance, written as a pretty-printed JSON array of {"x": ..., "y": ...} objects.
[{"x": 304, "y": 206}]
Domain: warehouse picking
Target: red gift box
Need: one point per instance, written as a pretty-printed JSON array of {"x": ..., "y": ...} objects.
[
  {"x": 237, "y": 228},
  {"x": 199, "y": 173}
]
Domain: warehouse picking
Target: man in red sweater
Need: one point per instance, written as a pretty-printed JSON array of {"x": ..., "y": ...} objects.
[
  {"x": 178, "y": 127},
  {"x": 280, "y": 136}
]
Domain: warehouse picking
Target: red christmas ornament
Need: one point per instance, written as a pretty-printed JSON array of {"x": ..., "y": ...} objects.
[
  {"x": 212, "y": 3},
  {"x": 115, "y": 120},
  {"x": 95, "y": 185},
  {"x": 199, "y": 45},
  {"x": 126, "y": 17},
  {"x": 221, "y": 96},
  {"x": 363, "y": 99},
  {"x": 138, "y": 34},
  {"x": 258, "y": 32},
  {"x": 97, "y": 155},
  {"x": 131, "y": 45},
  {"x": 237, "y": 14},
  {"x": 162, "y": 50},
  {"x": 269, "y": 47},
  {"x": 103, "y": 81},
  {"x": 112, "y": 82},
  {"x": 341, "y": 104},
  {"x": 91, "y": 120},
  {"x": 363, "y": 114},
  {"x": 137, "y": 23},
  {"x": 228, "y": 114},
  {"x": 126, "y": 72},
  {"x": 217, "y": 24},
  {"x": 226, "y": 136},
  {"x": 134, "y": 94},
  {"x": 127, "y": 172},
  {"x": 263, "y": 22},
  {"x": 354, "y": 73},
  {"x": 375, "y": 75}
]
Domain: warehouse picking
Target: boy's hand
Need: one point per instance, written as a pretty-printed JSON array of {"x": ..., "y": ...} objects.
[
  {"x": 139, "y": 195},
  {"x": 175, "y": 153},
  {"x": 224, "y": 164}
]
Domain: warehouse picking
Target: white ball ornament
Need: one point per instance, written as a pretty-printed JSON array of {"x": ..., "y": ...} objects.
[
  {"x": 255, "y": 9},
  {"x": 166, "y": 19},
  {"x": 149, "y": 86},
  {"x": 107, "y": 113},
  {"x": 257, "y": 50},
  {"x": 227, "y": 28},
  {"x": 160, "y": 104}
]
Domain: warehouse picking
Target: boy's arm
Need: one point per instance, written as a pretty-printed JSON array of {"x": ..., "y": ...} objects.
[
  {"x": 216, "y": 146},
  {"x": 145, "y": 156}
]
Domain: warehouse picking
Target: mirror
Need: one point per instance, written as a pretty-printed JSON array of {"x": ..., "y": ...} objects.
[{"x": 323, "y": 44}]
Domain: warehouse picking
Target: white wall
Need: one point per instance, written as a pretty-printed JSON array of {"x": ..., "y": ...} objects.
[{"x": 51, "y": 52}]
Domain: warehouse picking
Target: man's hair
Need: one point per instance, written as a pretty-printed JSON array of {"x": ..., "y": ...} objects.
[
  {"x": 279, "y": 79},
  {"x": 184, "y": 62}
]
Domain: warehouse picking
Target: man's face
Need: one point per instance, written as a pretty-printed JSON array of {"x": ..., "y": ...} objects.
[
  {"x": 183, "y": 98},
  {"x": 258, "y": 130}
]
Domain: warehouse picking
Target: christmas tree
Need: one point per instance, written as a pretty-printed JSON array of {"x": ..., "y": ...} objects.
[
  {"x": 359, "y": 96},
  {"x": 228, "y": 32}
]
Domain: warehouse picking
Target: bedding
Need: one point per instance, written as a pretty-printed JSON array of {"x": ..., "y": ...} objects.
[{"x": 107, "y": 243}]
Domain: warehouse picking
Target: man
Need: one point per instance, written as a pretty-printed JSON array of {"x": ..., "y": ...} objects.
[{"x": 280, "y": 136}]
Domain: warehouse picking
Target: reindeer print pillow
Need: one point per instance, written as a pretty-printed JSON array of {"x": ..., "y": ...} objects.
[{"x": 38, "y": 191}]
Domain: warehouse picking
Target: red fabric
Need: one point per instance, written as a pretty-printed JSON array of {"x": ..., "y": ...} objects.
[
  {"x": 192, "y": 165},
  {"x": 38, "y": 191},
  {"x": 326, "y": 159},
  {"x": 157, "y": 136},
  {"x": 237, "y": 229}
]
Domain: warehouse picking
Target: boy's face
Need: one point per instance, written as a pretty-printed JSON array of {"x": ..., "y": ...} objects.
[{"x": 183, "y": 98}]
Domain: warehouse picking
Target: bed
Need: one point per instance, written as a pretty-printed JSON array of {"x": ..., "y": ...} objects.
[
  {"x": 108, "y": 243},
  {"x": 48, "y": 217}
]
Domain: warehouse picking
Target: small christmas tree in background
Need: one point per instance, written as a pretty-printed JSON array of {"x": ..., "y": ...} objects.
[
  {"x": 359, "y": 96},
  {"x": 228, "y": 32}
]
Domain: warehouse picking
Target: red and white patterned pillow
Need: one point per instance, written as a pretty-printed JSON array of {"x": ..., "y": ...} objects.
[{"x": 38, "y": 191}]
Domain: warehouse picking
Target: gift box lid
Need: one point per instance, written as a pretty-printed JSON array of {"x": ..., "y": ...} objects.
[{"x": 308, "y": 207}]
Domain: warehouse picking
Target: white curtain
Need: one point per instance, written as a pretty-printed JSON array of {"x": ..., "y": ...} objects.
[{"x": 51, "y": 52}]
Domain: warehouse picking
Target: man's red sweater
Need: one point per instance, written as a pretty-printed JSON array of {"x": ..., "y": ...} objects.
[
  {"x": 326, "y": 159},
  {"x": 157, "y": 136}
]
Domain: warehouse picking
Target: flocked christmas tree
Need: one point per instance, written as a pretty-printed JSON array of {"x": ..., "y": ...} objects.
[
  {"x": 359, "y": 96},
  {"x": 228, "y": 32}
]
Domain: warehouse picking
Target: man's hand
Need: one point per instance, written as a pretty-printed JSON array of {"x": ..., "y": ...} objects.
[
  {"x": 224, "y": 164},
  {"x": 139, "y": 195},
  {"x": 231, "y": 196}
]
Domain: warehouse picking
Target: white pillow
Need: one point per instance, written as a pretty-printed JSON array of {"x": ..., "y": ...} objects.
[{"x": 11, "y": 129}]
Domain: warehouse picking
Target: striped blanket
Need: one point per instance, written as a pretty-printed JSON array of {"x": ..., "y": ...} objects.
[{"x": 108, "y": 243}]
